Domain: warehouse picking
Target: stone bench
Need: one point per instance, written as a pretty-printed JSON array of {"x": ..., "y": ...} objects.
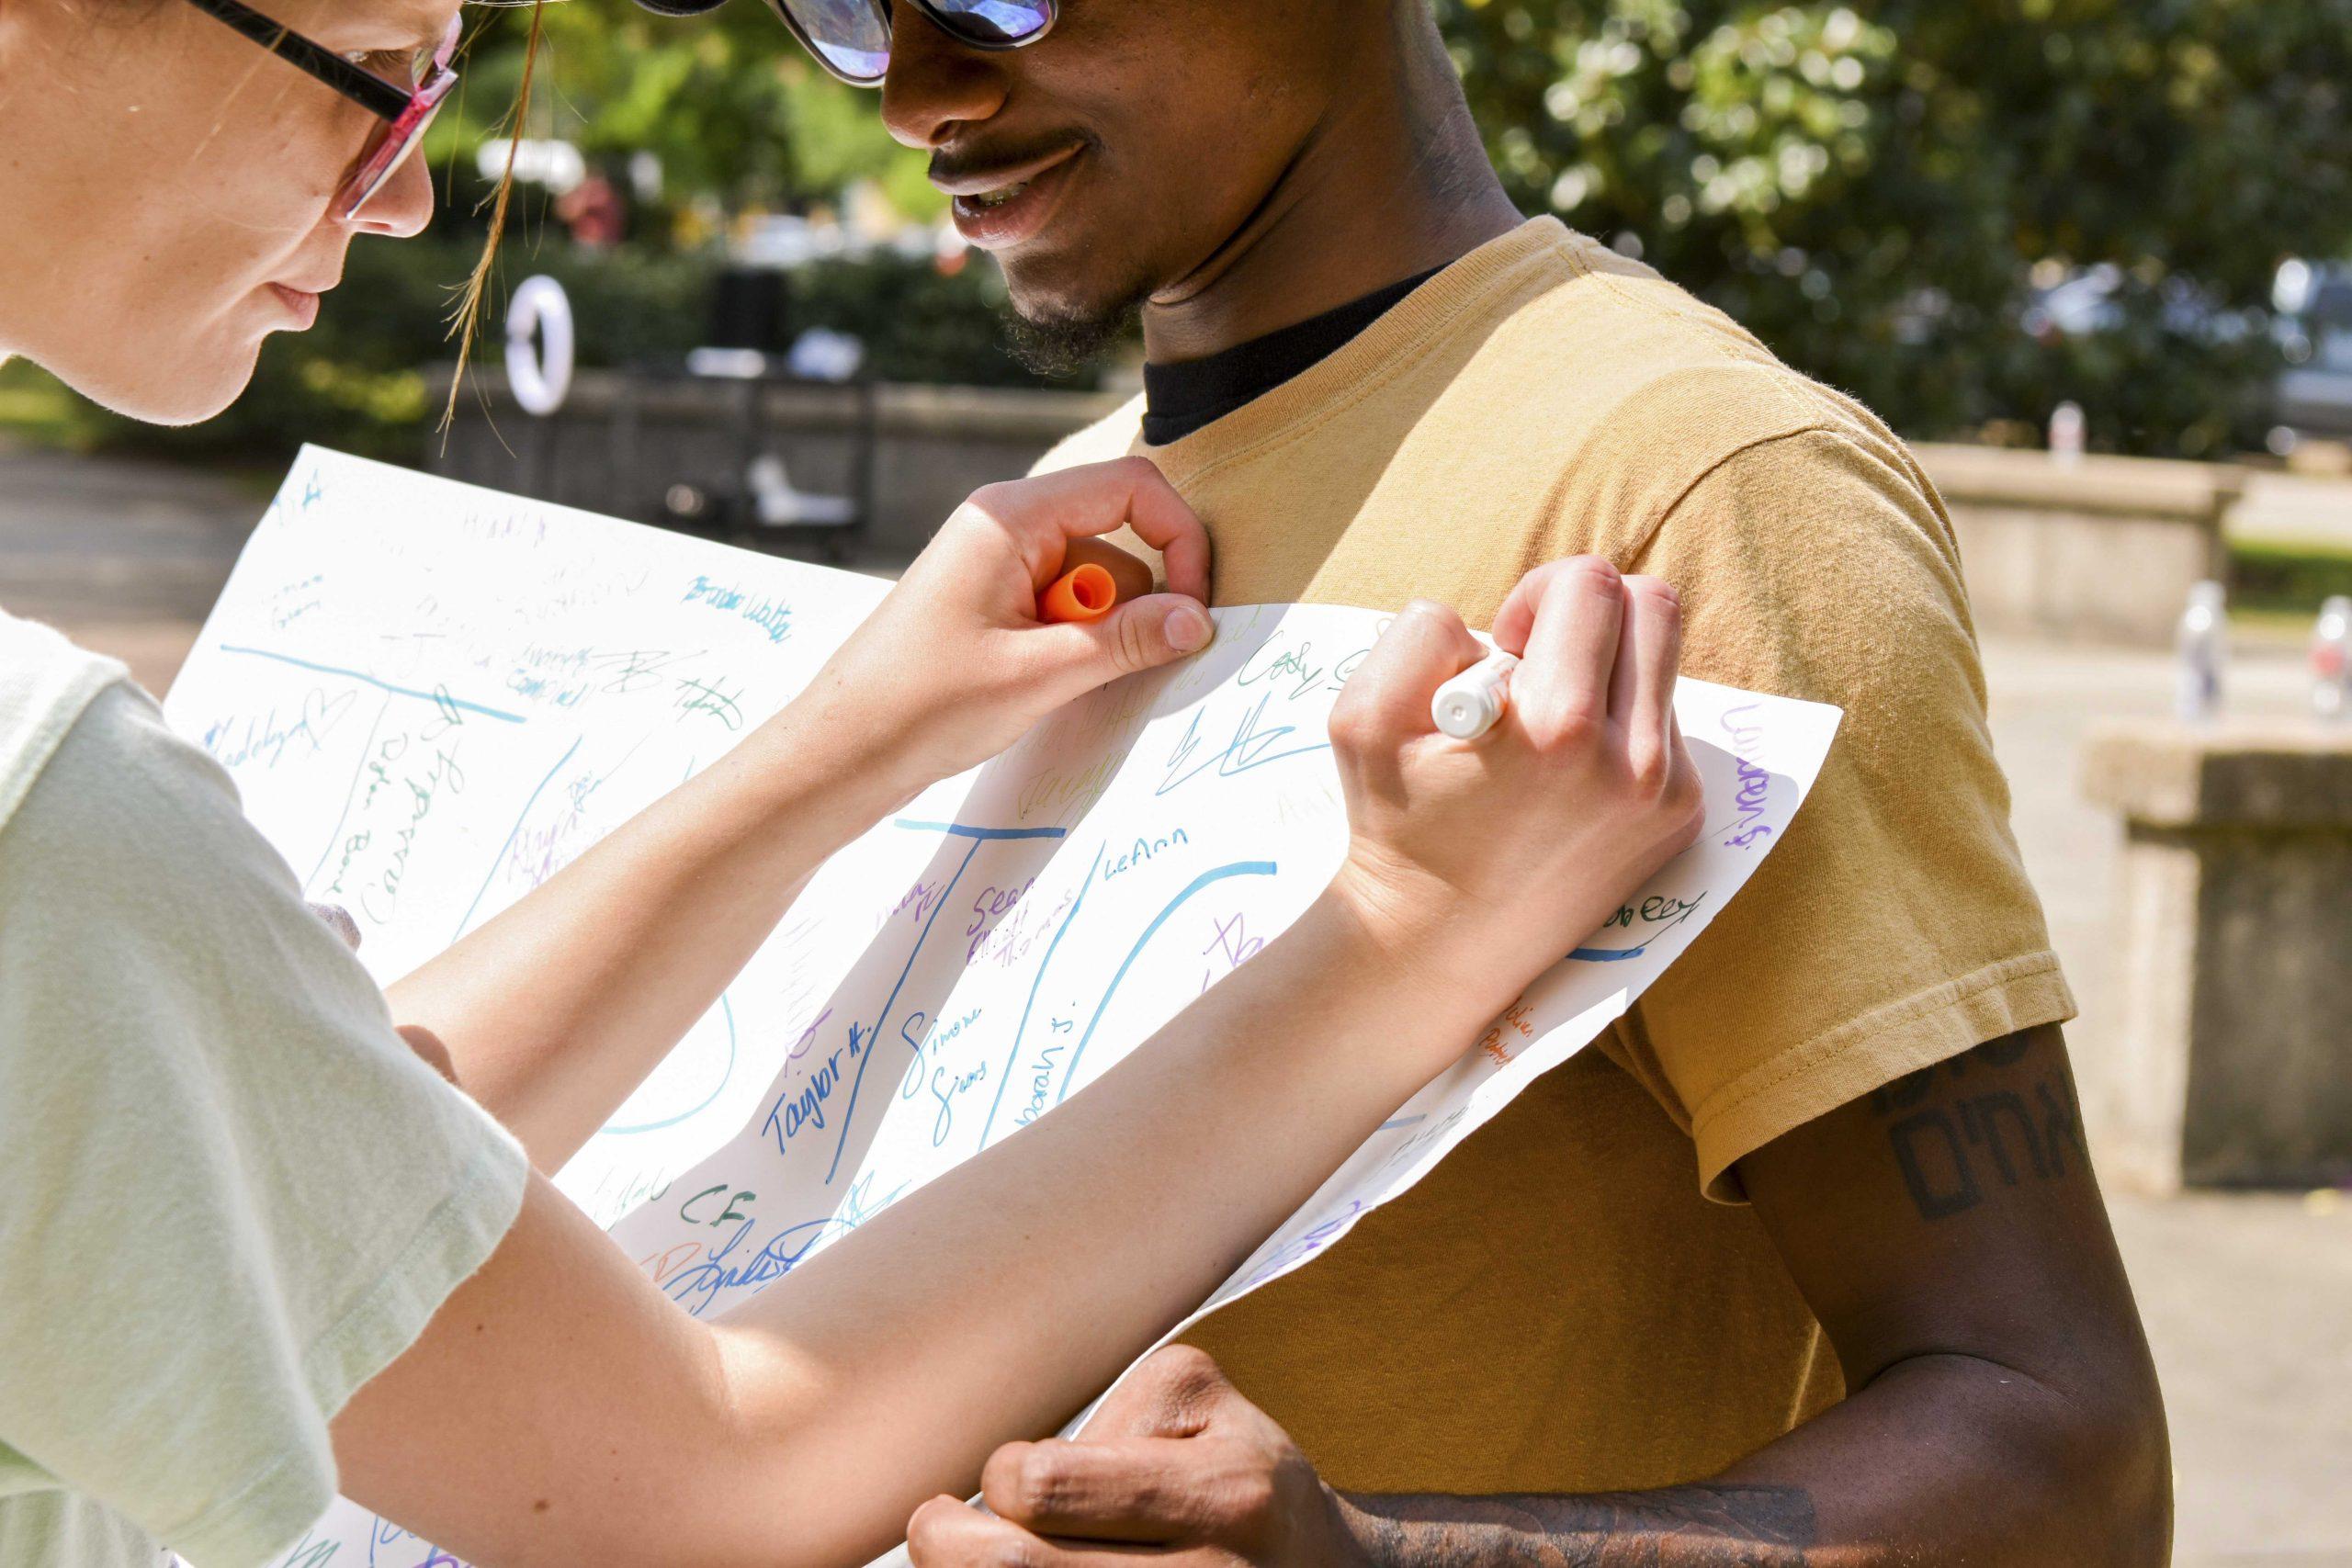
[
  {"x": 2233, "y": 1063},
  {"x": 2100, "y": 549}
]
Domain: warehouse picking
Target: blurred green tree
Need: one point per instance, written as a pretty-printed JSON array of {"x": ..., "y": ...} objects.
[
  {"x": 738, "y": 116},
  {"x": 1872, "y": 187},
  {"x": 1876, "y": 188}
]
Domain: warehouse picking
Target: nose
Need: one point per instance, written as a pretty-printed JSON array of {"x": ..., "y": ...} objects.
[
  {"x": 935, "y": 85},
  {"x": 403, "y": 209}
]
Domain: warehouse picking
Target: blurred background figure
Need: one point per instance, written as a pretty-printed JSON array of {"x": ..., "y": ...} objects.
[{"x": 595, "y": 213}]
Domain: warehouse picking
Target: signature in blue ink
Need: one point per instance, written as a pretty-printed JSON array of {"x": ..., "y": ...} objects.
[
  {"x": 730, "y": 1266},
  {"x": 1251, "y": 747}
]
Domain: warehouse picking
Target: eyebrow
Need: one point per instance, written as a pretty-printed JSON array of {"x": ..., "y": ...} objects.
[
  {"x": 380, "y": 97},
  {"x": 428, "y": 22}
]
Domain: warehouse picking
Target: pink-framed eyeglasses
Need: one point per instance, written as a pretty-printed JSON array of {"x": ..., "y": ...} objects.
[{"x": 405, "y": 110}]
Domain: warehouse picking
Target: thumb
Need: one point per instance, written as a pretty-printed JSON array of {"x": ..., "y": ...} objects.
[{"x": 1142, "y": 634}]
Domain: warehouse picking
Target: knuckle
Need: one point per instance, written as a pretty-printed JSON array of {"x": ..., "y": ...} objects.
[
  {"x": 1572, "y": 722},
  {"x": 991, "y": 500},
  {"x": 1249, "y": 1495},
  {"x": 1536, "y": 579},
  {"x": 1654, "y": 590},
  {"x": 1184, "y": 1366},
  {"x": 1655, "y": 599},
  {"x": 1181, "y": 1379},
  {"x": 1040, "y": 1485},
  {"x": 1650, "y": 769},
  {"x": 1591, "y": 573},
  {"x": 1686, "y": 798},
  {"x": 1354, "y": 726},
  {"x": 1347, "y": 737},
  {"x": 1580, "y": 726},
  {"x": 1203, "y": 1384}
]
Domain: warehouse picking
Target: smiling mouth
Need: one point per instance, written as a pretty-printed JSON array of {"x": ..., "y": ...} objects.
[{"x": 999, "y": 217}]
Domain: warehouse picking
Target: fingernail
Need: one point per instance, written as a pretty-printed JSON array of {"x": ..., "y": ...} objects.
[{"x": 1187, "y": 629}]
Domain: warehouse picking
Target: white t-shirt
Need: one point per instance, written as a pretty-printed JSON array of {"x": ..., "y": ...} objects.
[{"x": 229, "y": 1193}]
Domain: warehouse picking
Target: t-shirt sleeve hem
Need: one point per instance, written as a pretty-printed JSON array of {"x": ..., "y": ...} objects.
[
  {"x": 257, "y": 1520},
  {"x": 455, "y": 1240},
  {"x": 1833, "y": 1069}
]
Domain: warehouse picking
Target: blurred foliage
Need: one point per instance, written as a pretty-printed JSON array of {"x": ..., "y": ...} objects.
[
  {"x": 356, "y": 381},
  {"x": 1873, "y": 187},
  {"x": 742, "y": 123},
  {"x": 739, "y": 117},
  {"x": 918, "y": 324},
  {"x": 1870, "y": 185}
]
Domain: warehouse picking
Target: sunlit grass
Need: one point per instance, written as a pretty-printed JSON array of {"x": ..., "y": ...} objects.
[{"x": 2285, "y": 581}]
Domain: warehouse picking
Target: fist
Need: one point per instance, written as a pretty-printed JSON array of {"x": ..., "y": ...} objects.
[
  {"x": 1175, "y": 1465},
  {"x": 1493, "y": 857}
]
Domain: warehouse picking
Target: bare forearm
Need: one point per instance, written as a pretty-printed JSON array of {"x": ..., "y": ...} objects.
[
  {"x": 1055, "y": 1258},
  {"x": 553, "y": 1011},
  {"x": 602, "y": 1422},
  {"x": 1709, "y": 1525},
  {"x": 1941, "y": 1460}
]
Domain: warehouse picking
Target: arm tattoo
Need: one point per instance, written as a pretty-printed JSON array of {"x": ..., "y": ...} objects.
[
  {"x": 1988, "y": 1127},
  {"x": 1703, "y": 1526}
]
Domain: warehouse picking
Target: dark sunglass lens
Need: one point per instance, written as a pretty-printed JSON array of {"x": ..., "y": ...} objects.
[
  {"x": 994, "y": 21},
  {"x": 853, "y": 36}
]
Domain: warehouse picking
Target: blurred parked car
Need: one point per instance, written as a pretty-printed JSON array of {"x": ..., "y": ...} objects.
[
  {"x": 2309, "y": 318},
  {"x": 2315, "y": 332}
]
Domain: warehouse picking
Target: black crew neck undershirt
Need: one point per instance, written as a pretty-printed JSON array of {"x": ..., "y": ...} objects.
[{"x": 1179, "y": 398}]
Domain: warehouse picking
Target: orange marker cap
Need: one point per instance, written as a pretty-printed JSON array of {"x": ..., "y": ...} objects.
[{"x": 1083, "y": 593}]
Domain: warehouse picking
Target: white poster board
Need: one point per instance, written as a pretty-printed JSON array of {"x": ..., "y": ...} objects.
[{"x": 434, "y": 696}]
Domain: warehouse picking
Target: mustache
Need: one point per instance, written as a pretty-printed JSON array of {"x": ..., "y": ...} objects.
[{"x": 962, "y": 162}]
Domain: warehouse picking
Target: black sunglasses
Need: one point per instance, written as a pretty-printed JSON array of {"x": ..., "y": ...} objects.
[{"x": 850, "y": 39}]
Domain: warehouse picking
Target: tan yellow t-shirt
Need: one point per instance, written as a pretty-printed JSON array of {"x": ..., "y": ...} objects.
[{"x": 1558, "y": 1307}]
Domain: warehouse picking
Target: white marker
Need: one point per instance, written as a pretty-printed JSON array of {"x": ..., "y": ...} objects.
[{"x": 1466, "y": 706}]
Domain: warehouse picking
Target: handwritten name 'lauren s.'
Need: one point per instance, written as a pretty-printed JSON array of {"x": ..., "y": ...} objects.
[{"x": 1752, "y": 793}]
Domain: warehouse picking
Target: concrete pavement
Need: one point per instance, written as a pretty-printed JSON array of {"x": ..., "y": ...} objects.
[
  {"x": 125, "y": 555},
  {"x": 2248, "y": 1298}
]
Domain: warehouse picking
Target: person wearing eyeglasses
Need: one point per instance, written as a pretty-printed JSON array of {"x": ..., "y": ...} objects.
[
  {"x": 1805, "y": 1260},
  {"x": 255, "y": 1248}
]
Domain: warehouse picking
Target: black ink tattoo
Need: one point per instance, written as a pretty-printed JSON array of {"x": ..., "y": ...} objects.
[
  {"x": 1700, "y": 1526},
  {"x": 1980, "y": 1132}
]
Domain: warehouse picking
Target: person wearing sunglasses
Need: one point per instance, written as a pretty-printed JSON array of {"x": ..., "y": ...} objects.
[
  {"x": 254, "y": 1246},
  {"x": 1774, "y": 1281}
]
